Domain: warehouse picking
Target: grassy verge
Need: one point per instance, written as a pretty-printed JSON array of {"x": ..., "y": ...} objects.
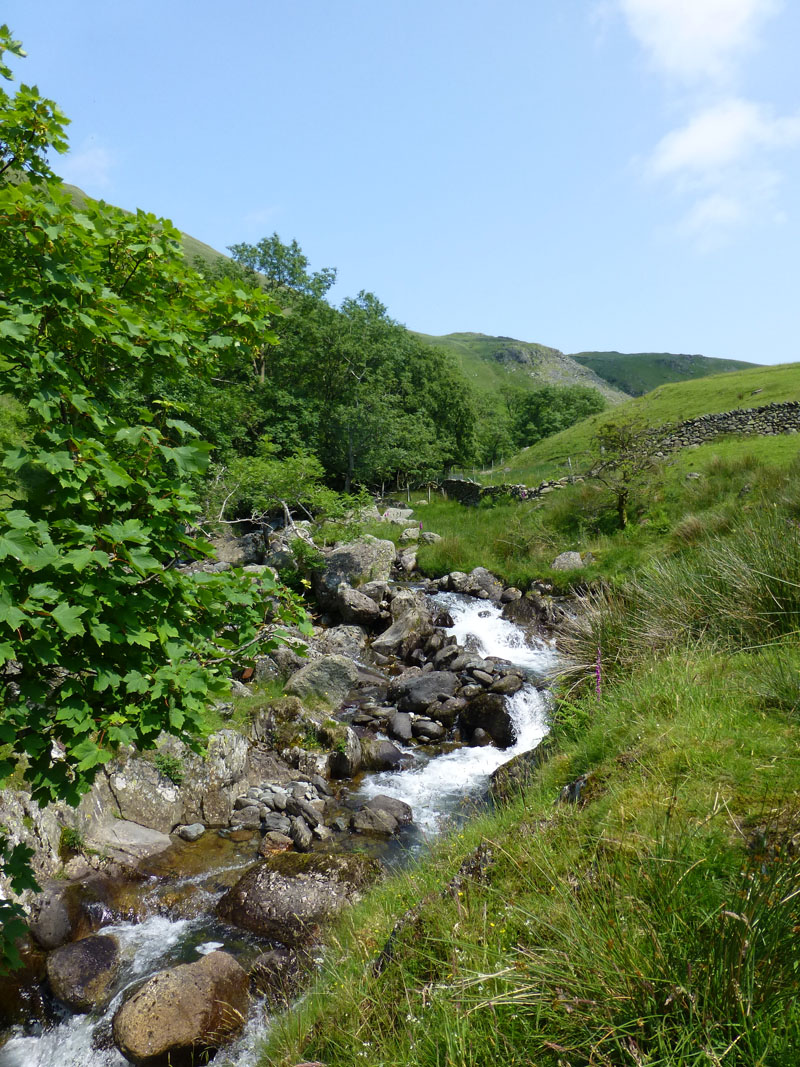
[{"x": 699, "y": 495}]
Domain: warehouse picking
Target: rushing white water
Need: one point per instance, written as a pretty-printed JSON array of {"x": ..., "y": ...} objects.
[{"x": 438, "y": 787}]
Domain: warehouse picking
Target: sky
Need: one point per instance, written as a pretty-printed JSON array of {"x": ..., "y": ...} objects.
[{"x": 589, "y": 174}]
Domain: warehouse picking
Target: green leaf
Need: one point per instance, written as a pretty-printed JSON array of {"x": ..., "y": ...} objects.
[{"x": 68, "y": 618}]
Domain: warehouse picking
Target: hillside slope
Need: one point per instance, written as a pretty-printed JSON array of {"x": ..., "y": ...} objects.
[
  {"x": 493, "y": 362},
  {"x": 637, "y": 373},
  {"x": 666, "y": 405}
]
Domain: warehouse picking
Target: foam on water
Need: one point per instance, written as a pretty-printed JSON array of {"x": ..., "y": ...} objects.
[{"x": 438, "y": 786}]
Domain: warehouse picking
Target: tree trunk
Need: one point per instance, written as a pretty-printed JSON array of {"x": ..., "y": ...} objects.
[{"x": 622, "y": 508}]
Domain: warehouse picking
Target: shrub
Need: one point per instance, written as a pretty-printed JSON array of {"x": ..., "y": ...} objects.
[{"x": 170, "y": 766}]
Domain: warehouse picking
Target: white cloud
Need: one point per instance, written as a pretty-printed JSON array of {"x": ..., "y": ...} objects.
[
  {"x": 89, "y": 167},
  {"x": 721, "y": 136},
  {"x": 696, "y": 40},
  {"x": 722, "y": 161}
]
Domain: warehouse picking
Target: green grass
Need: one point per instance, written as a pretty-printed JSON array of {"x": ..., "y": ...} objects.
[
  {"x": 637, "y": 373},
  {"x": 666, "y": 405},
  {"x": 671, "y": 513}
]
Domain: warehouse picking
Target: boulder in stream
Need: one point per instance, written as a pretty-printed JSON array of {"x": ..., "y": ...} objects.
[
  {"x": 488, "y": 711},
  {"x": 183, "y": 1012},
  {"x": 290, "y": 895},
  {"x": 81, "y": 974},
  {"x": 365, "y": 560}
]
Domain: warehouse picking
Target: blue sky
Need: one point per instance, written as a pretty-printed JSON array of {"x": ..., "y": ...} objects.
[{"x": 589, "y": 174}]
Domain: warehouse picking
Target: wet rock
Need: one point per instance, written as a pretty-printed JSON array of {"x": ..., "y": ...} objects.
[
  {"x": 247, "y": 818},
  {"x": 509, "y": 594},
  {"x": 183, "y": 1012},
  {"x": 380, "y": 755},
  {"x": 416, "y": 694},
  {"x": 488, "y": 711},
  {"x": 482, "y": 677},
  {"x": 63, "y": 913},
  {"x": 191, "y": 832},
  {"x": 510, "y": 779},
  {"x": 506, "y": 685},
  {"x": 400, "y": 726},
  {"x": 398, "y": 809},
  {"x": 479, "y": 738},
  {"x": 81, "y": 974},
  {"x": 327, "y": 680},
  {"x": 288, "y": 897},
  {"x": 369, "y": 821},
  {"x": 428, "y": 730}
]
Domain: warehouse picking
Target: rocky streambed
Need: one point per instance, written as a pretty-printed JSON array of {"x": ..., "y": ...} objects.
[{"x": 390, "y": 730}]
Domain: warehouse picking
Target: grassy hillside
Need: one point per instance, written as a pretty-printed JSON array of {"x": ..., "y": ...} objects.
[
  {"x": 490, "y": 363},
  {"x": 637, "y": 373},
  {"x": 668, "y": 404},
  {"x": 192, "y": 248}
]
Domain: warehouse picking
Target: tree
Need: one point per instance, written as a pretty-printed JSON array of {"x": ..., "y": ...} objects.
[
  {"x": 104, "y": 641},
  {"x": 626, "y": 456},
  {"x": 549, "y": 409}
]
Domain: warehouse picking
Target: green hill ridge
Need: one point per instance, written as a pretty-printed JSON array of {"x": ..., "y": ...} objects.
[{"x": 636, "y": 373}]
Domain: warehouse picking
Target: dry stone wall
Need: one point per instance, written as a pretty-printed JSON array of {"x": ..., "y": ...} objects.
[{"x": 767, "y": 421}]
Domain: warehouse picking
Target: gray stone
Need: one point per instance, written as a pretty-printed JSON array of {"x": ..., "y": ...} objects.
[
  {"x": 400, "y": 726},
  {"x": 398, "y": 809},
  {"x": 346, "y": 760},
  {"x": 417, "y": 694},
  {"x": 289, "y": 896},
  {"x": 274, "y": 821},
  {"x": 191, "y": 832},
  {"x": 300, "y": 833},
  {"x": 327, "y": 680},
  {"x": 428, "y": 537},
  {"x": 146, "y": 797},
  {"x": 398, "y": 516},
  {"x": 380, "y": 755},
  {"x": 358, "y": 562},
  {"x": 354, "y": 606},
  {"x": 567, "y": 561},
  {"x": 373, "y": 821},
  {"x": 429, "y": 730},
  {"x": 411, "y": 533},
  {"x": 412, "y": 624},
  {"x": 83, "y": 973},
  {"x": 507, "y": 685},
  {"x": 350, "y": 641}
]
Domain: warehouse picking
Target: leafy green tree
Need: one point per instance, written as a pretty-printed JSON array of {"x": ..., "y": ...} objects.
[
  {"x": 549, "y": 409},
  {"x": 104, "y": 641},
  {"x": 625, "y": 459},
  {"x": 281, "y": 267}
]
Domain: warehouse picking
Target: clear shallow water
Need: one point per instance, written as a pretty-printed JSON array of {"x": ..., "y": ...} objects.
[{"x": 439, "y": 788}]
